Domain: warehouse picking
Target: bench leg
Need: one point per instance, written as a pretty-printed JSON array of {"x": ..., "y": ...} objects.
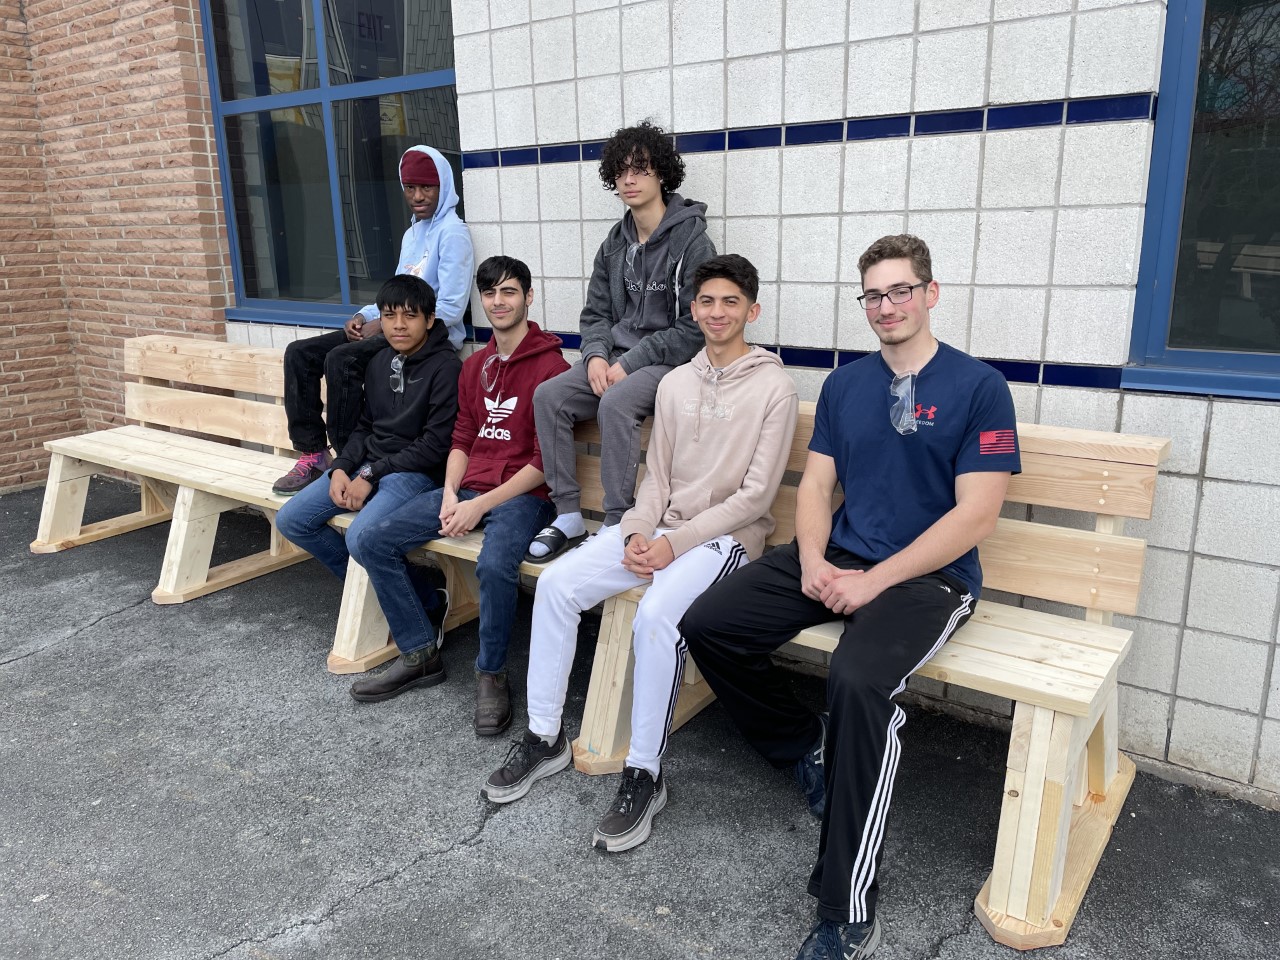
[
  {"x": 62, "y": 512},
  {"x": 362, "y": 639},
  {"x": 602, "y": 745},
  {"x": 186, "y": 573},
  {"x": 1048, "y": 846},
  {"x": 463, "y": 587}
]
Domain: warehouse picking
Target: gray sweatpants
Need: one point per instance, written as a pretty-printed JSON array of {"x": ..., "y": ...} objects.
[{"x": 562, "y": 401}]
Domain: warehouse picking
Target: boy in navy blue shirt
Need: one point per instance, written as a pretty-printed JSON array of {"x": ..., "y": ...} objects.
[{"x": 922, "y": 439}]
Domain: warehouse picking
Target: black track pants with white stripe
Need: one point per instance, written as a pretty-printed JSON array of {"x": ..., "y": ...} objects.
[{"x": 733, "y": 628}]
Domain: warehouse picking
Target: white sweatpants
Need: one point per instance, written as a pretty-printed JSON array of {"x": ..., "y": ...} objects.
[{"x": 592, "y": 573}]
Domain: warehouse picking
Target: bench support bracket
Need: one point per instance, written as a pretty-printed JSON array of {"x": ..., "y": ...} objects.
[{"x": 62, "y": 523}]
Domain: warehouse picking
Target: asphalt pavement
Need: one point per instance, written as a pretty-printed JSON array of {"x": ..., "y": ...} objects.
[{"x": 189, "y": 782}]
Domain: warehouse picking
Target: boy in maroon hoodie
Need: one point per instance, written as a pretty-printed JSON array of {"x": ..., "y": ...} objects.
[{"x": 493, "y": 479}]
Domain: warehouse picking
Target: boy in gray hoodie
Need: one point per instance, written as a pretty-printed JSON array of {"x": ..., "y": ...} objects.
[
  {"x": 635, "y": 327},
  {"x": 722, "y": 431}
]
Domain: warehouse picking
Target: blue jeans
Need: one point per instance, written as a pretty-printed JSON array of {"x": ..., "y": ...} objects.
[
  {"x": 304, "y": 519},
  {"x": 508, "y": 529}
]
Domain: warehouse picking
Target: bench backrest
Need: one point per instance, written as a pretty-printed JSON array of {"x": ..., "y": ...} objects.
[
  {"x": 166, "y": 368},
  {"x": 1098, "y": 478}
]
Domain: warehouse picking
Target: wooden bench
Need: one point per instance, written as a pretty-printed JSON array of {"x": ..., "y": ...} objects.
[
  {"x": 187, "y": 480},
  {"x": 1066, "y": 780}
]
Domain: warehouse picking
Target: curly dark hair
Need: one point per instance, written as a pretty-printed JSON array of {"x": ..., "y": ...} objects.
[{"x": 645, "y": 139}]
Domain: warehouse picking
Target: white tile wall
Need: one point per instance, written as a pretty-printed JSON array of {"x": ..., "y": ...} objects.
[
  {"x": 1212, "y": 739},
  {"x": 1172, "y": 522},
  {"x": 1008, "y": 322},
  {"x": 1222, "y": 670},
  {"x": 857, "y": 233},
  {"x": 753, "y": 181},
  {"x": 808, "y": 92},
  {"x": 944, "y": 172},
  {"x": 651, "y": 21},
  {"x": 556, "y": 105},
  {"x": 513, "y": 117},
  {"x": 481, "y": 189},
  {"x": 475, "y": 121},
  {"x": 879, "y": 18},
  {"x": 951, "y": 69},
  {"x": 553, "y": 49},
  {"x": 598, "y": 42},
  {"x": 1234, "y": 598},
  {"x": 561, "y": 303},
  {"x": 647, "y": 96},
  {"x": 812, "y": 23},
  {"x": 811, "y": 178},
  {"x": 1105, "y": 163},
  {"x": 1239, "y": 521},
  {"x": 1182, "y": 419},
  {"x": 1244, "y": 442},
  {"x": 512, "y": 63},
  {"x": 940, "y": 14},
  {"x": 1020, "y": 168},
  {"x": 519, "y": 199},
  {"x": 875, "y": 175},
  {"x": 699, "y": 97},
  {"x": 755, "y": 91},
  {"x": 1029, "y": 60},
  {"x": 1117, "y": 51},
  {"x": 950, "y": 238},
  {"x": 1097, "y": 246},
  {"x": 1153, "y": 658},
  {"x": 503, "y": 13},
  {"x": 1014, "y": 246},
  {"x": 1089, "y": 326},
  {"x": 755, "y": 238},
  {"x": 807, "y": 314},
  {"x": 1077, "y": 407},
  {"x": 599, "y": 106},
  {"x": 810, "y": 249},
  {"x": 753, "y": 26},
  {"x": 471, "y": 63},
  {"x": 469, "y": 16},
  {"x": 872, "y": 90},
  {"x": 1144, "y": 721},
  {"x": 697, "y": 31}
]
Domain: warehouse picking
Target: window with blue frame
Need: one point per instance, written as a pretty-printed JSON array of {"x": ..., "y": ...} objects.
[
  {"x": 314, "y": 101},
  {"x": 1207, "y": 317}
]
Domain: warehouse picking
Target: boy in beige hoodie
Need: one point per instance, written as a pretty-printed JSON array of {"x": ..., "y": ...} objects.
[{"x": 722, "y": 430}]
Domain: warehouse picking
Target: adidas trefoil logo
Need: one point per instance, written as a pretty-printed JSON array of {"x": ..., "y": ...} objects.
[{"x": 499, "y": 410}]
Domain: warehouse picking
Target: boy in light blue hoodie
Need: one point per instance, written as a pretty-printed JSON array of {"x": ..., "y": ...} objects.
[{"x": 437, "y": 248}]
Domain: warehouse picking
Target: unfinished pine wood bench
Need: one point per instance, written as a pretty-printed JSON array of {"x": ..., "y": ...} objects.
[
  {"x": 1066, "y": 780},
  {"x": 187, "y": 480}
]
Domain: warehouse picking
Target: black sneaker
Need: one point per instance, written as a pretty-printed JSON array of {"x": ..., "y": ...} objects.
[
  {"x": 829, "y": 940},
  {"x": 439, "y": 614},
  {"x": 630, "y": 818},
  {"x": 530, "y": 759},
  {"x": 811, "y": 774}
]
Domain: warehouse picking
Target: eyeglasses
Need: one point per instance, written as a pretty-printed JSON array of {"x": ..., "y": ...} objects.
[
  {"x": 872, "y": 301},
  {"x": 490, "y": 373},
  {"x": 397, "y": 374},
  {"x": 902, "y": 414}
]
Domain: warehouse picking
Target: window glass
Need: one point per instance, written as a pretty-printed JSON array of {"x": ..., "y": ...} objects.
[
  {"x": 371, "y": 134},
  {"x": 1226, "y": 293},
  {"x": 282, "y": 204},
  {"x": 373, "y": 39},
  {"x": 264, "y": 47}
]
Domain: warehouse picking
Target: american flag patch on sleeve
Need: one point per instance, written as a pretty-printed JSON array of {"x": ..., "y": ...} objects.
[{"x": 996, "y": 441}]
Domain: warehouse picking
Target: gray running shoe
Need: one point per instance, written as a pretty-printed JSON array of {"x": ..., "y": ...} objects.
[{"x": 529, "y": 760}]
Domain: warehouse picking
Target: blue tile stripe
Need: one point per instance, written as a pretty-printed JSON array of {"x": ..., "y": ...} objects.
[{"x": 1012, "y": 116}]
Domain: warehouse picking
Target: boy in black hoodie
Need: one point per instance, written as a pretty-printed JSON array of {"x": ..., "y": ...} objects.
[
  {"x": 396, "y": 455},
  {"x": 493, "y": 480}
]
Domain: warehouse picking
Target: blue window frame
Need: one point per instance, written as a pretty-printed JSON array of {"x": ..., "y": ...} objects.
[
  {"x": 1212, "y": 324},
  {"x": 313, "y": 103}
]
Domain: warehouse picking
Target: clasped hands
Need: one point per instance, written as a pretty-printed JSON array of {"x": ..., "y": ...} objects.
[
  {"x": 643, "y": 556},
  {"x": 840, "y": 591},
  {"x": 601, "y": 375}
]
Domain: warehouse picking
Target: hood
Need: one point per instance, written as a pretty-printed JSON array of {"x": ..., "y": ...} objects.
[
  {"x": 537, "y": 341},
  {"x": 679, "y": 210},
  {"x": 448, "y": 192}
]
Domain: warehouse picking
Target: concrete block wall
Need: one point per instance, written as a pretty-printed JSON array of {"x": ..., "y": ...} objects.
[{"x": 1035, "y": 221}]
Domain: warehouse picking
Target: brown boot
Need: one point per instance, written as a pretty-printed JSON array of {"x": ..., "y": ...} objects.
[
  {"x": 419, "y": 668},
  {"x": 493, "y": 704}
]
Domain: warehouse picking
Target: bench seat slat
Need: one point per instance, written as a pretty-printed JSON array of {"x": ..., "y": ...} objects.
[
  {"x": 174, "y": 466},
  {"x": 194, "y": 452},
  {"x": 1110, "y": 639},
  {"x": 1093, "y": 444}
]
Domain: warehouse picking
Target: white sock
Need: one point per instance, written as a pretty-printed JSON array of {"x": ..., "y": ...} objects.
[{"x": 570, "y": 524}]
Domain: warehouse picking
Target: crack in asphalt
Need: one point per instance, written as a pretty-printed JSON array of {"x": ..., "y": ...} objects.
[
  {"x": 935, "y": 948},
  {"x": 75, "y": 633},
  {"x": 327, "y": 913}
]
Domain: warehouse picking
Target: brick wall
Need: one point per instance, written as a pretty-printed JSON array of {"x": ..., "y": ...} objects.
[
  {"x": 129, "y": 233},
  {"x": 38, "y": 394}
]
